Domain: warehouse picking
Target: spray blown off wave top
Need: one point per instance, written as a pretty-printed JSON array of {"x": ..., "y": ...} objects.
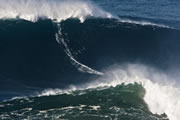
[{"x": 55, "y": 9}]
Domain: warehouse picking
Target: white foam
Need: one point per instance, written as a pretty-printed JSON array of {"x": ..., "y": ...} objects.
[
  {"x": 162, "y": 95},
  {"x": 144, "y": 23},
  {"x": 1, "y": 105},
  {"x": 81, "y": 67},
  {"x": 49, "y": 92},
  {"x": 95, "y": 107},
  {"x": 52, "y": 9},
  {"x": 57, "y": 10}
]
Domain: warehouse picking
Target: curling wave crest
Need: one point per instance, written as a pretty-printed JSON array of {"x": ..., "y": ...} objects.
[{"x": 162, "y": 96}]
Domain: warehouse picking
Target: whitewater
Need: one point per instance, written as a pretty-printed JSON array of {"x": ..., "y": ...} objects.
[
  {"x": 56, "y": 10},
  {"x": 162, "y": 93}
]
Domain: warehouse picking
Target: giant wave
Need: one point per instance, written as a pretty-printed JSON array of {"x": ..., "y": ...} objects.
[{"x": 84, "y": 51}]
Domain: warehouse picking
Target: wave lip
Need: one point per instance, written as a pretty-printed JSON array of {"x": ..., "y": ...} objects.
[
  {"x": 31, "y": 10},
  {"x": 161, "y": 96}
]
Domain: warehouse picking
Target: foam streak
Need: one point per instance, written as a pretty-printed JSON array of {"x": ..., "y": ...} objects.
[{"x": 81, "y": 67}]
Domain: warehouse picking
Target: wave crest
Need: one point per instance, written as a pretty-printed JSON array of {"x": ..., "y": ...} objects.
[
  {"x": 31, "y": 10},
  {"x": 162, "y": 95}
]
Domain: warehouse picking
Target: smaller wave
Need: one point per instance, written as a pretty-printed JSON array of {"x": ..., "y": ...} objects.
[
  {"x": 162, "y": 96},
  {"x": 31, "y": 10},
  {"x": 92, "y": 104}
]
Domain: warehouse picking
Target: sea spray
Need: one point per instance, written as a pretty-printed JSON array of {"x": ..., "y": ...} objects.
[
  {"x": 32, "y": 10},
  {"x": 161, "y": 94}
]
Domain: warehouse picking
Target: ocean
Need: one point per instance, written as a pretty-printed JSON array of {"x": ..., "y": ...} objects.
[{"x": 89, "y": 60}]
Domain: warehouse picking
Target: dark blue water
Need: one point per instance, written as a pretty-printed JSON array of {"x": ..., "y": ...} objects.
[{"x": 160, "y": 11}]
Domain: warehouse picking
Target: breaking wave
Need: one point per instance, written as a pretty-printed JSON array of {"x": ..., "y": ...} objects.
[
  {"x": 161, "y": 95},
  {"x": 124, "y": 82},
  {"x": 32, "y": 10}
]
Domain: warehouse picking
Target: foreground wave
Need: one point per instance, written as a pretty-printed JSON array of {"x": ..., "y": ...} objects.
[
  {"x": 129, "y": 91},
  {"x": 121, "y": 102}
]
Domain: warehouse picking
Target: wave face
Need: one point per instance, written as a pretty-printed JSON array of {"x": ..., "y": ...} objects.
[
  {"x": 121, "y": 102},
  {"x": 130, "y": 91},
  {"x": 44, "y": 54},
  {"x": 73, "y": 60}
]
